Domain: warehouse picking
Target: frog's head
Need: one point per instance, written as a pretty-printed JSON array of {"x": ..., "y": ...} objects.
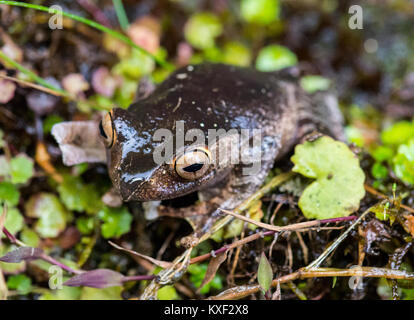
[{"x": 138, "y": 175}]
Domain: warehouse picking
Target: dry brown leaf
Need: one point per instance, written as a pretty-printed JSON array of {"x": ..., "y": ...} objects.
[
  {"x": 42, "y": 158},
  {"x": 79, "y": 142},
  {"x": 212, "y": 268},
  {"x": 159, "y": 263},
  {"x": 409, "y": 221}
]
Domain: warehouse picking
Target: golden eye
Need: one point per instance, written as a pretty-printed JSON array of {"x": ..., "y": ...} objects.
[
  {"x": 193, "y": 164},
  {"x": 107, "y": 130}
]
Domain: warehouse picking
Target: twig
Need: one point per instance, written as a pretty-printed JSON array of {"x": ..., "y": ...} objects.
[
  {"x": 34, "y": 86},
  {"x": 291, "y": 227},
  {"x": 240, "y": 292}
]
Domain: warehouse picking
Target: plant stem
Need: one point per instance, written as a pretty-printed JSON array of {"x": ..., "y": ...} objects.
[
  {"x": 51, "y": 260},
  {"x": 138, "y": 278},
  {"x": 120, "y": 13}
]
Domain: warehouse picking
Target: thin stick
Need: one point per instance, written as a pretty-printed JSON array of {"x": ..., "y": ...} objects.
[
  {"x": 291, "y": 227},
  {"x": 240, "y": 292},
  {"x": 34, "y": 86}
]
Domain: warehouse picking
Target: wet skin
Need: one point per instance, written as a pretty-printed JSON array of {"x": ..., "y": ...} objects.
[{"x": 211, "y": 96}]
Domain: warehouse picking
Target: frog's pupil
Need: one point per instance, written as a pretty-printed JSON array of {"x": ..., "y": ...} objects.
[
  {"x": 102, "y": 131},
  {"x": 194, "y": 167}
]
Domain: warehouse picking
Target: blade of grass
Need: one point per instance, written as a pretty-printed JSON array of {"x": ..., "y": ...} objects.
[
  {"x": 120, "y": 13},
  {"x": 33, "y": 76},
  {"x": 92, "y": 24}
]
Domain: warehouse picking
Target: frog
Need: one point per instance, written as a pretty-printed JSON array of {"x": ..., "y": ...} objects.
[{"x": 208, "y": 97}]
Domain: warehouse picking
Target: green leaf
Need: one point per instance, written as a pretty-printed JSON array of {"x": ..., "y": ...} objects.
[
  {"x": 312, "y": 84},
  {"x": 14, "y": 220},
  {"x": 50, "y": 212},
  {"x": 202, "y": 29},
  {"x": 85, "y": 225},
  {"x": 2, "y": 142},
  {"x": 111, "y": 293},
  {"x": 116, "y": 222},
  {"x": 167, "y": 293},
  {"x": 339, "y": 184},
  {"x": 382, "y": 153},
  {"x": 379, "y": 171},
  {"x": 134, "y": 67},
  {"x": 78, "y": 196},
  {"x": 398, "y": 133},
  {"x": 20, "y": 282},
  {"x": 29, "y": 237},
  {"x": 21, "y": 169},
  {"x": 50, "y": 121},
  {"x": 404, "y": 162},
  {"x": 262, "y": 12},
  {"x": 274, "y": 57},
  {"x": 9, "y": 193},
  {"x": 354, "y": 135},
  {"x": 4, "y": 167},
  {"x": 264, "y": 273},
  {"x": 66, "y": 293},
  {"x": 237, "y": 54}
]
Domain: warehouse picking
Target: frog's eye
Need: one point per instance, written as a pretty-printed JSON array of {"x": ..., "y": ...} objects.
[
  {"x": 107, "y": 131},
  {"x": 193, "y": 164}
]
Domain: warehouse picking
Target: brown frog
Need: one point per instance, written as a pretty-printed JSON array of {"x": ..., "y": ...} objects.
[{"x": 209, "y": 97}]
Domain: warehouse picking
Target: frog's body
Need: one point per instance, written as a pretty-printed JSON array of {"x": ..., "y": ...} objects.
[{"x": 214, "y": 96}]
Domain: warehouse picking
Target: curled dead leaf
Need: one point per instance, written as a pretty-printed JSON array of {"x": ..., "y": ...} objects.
[{"x": 79, "y": 142}]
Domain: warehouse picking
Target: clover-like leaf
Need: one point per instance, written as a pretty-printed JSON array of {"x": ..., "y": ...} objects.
[
  {"x": 9, "y": 193},
  {"x": 202, "y": 29},
  {"x": 51, "y": 213},
  {"x": 78, "y": 196},
  {"x": 339, "y": 184},
  {"x": 261, "y": 12},
  {"x": 116, "y": 222},
  {"x": 313, "y": 83},
  {"x": 21, "y": 168},
  {"x": 14, "y": 220},
  {"x": 404, "y": 162},
  {"x": 399, "y": 133},
  {"x": 275, "y": 57}
]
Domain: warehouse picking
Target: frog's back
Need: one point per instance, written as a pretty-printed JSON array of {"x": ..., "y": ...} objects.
[{"x": 219, "y": 96}]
